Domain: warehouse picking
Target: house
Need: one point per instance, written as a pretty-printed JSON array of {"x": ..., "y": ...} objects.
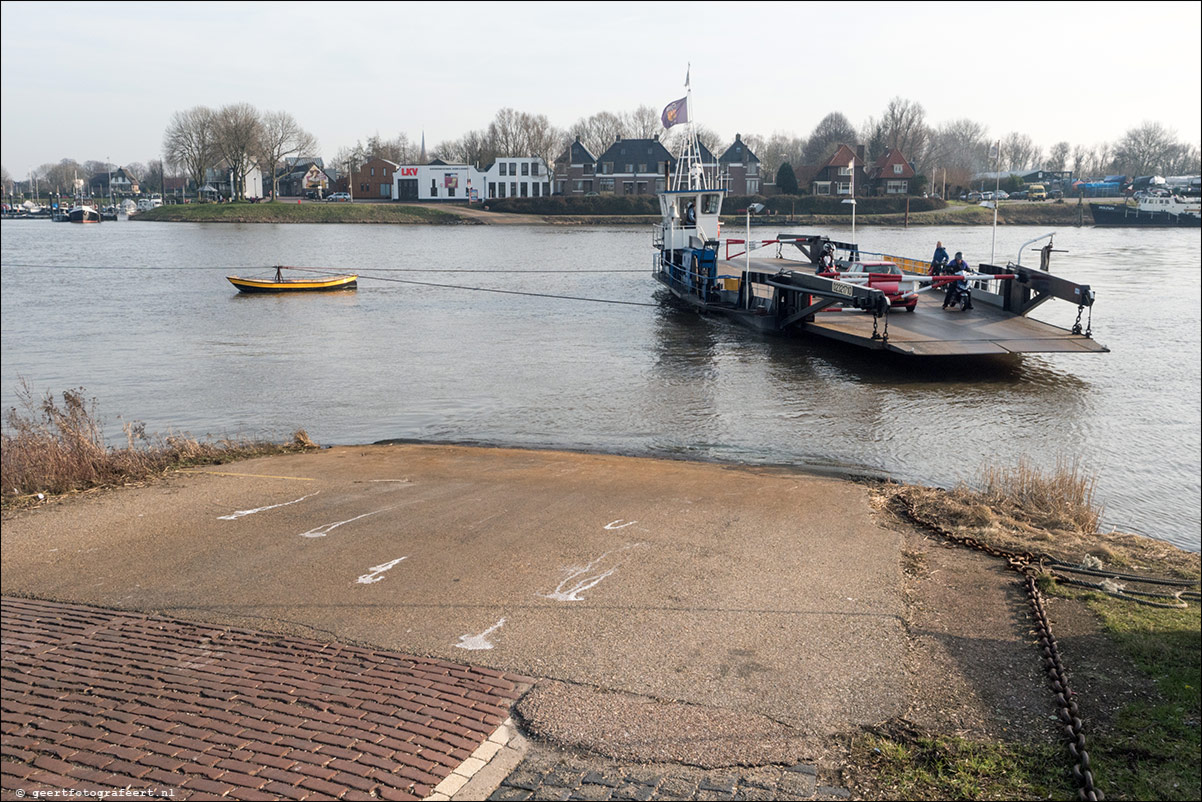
[
  {"x": 891, "y": 174},
  {"x": 220, "y": 180},
  {"x": 305, "y": 176},
  {"x": 123, "y": 183},
  {"x": 374, "y": 179},
  {"x": 575, "y": 171},
  {"x": 517, "y": 177},
  {"x": 638, "y": 167},
  {"x": 740, "y": 169},
  {"x": 839, "y": 174},
  {"x": 507, "y": 177}
]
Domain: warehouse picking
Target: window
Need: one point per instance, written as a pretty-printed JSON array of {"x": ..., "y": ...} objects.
[
  {"x": 753, "y": 187},
  {"x": 525, "y": 189},
  {"x": 590, "y": 169},
  {"x": 503, "y": 167},
  {"x": 753, "y": 169},
  {"x": 659, "y": 185},
  {"x": 897, "y": 169},
  {"x": 843, "y": 188},
  {"x": 373, "y": 171},
  {"x": 642, "y": 168},
  {"x": 492, "y": 189},
  {"x": 535, "y": 189},
  {"x": 844, "y": 171},
  {"x": 513, "y": 168},
  {"x": 627, "y": 187},
  {"x": 501, "y": 189},
  {"x": 607, "y": 168},
  {"x": 606, "y": 185},
  {"x": 709, "y": 204},
  {"x": 525, "y": 168},
  {"x": 513, "y": 187},
  {"x": 433, "y": 188},
  {"x": 630, "y": 168}
]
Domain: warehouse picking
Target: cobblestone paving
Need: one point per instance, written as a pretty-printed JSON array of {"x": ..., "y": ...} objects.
[
  {"x": 548, "y": 775},
  {"x": 97, "y": 700}
]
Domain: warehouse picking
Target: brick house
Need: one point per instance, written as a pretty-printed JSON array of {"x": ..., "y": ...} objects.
[
  {"x": 836, "y": 176},
  {"x": 635, "y": 167},
  {"x": 740, "y": 169},
  {"x": 891, "y": 174},
  {"x": 123, "y": 183},
  {"x": 575, "y": 171},
  {"x": 374, "y": 179}
]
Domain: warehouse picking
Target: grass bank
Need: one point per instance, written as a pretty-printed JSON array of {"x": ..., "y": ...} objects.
[
  {"x": 1145, "y": 746},
  {"x": 282, "y": 212},
  {"x": 51, "y": 448}
]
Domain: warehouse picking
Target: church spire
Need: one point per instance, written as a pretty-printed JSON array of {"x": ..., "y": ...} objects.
[{"x": 423, "y": 158}]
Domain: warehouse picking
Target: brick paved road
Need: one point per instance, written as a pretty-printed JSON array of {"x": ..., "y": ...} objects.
[{"x": 95, "y": 699}]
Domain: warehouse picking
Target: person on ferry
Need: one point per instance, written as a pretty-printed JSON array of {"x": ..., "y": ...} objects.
[
  {"x": 826, "y": 262},
  {"x": 939, "y": 259},
  {"x": 957, "y": 267},
  {"x": 690, "y": 215}
]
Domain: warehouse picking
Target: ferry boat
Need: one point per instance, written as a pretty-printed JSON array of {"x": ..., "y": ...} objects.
[
  {"x": 83, "y": 214},
  {"x": 815, "y": 286},
  {"x": 1152, "y": 211}
]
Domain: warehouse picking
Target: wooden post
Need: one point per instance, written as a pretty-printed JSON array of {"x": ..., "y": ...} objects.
[{"x": 907, "y": 225}]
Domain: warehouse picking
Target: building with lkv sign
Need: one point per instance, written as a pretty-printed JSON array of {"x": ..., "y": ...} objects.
[{"x": 517, "y": 177}]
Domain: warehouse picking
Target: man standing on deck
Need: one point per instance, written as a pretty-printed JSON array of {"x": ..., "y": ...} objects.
[{"x": 939, "y": 259}]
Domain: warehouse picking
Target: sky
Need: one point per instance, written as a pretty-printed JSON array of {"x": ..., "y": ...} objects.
[{"x": 100, "y": 81}]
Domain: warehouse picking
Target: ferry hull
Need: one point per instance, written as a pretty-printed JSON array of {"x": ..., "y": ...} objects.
[{"x": 1116, "y": 215}]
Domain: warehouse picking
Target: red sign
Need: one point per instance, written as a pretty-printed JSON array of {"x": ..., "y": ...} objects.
[{"x": 408, "y": 171}]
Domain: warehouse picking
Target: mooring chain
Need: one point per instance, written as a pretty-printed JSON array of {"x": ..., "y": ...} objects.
[
  {"x": 1026, "y": 564},
  {"x": 1077, "y": 325}
]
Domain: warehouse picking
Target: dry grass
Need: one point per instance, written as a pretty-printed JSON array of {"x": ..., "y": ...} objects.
[
  {"x": 51, "y": 448},
  {"x": 1055, "y": 513}
]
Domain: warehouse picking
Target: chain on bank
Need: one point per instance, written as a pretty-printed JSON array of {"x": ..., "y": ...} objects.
[{"x": 114, "y": 793}]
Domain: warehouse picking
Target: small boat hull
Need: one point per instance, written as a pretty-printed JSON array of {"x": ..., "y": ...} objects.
[
  {"x": 83, "y": 214},
  {"x": 326, "y": 284}
]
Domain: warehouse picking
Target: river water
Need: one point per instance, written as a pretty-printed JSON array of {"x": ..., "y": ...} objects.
[{"x": 140, "y": 314}]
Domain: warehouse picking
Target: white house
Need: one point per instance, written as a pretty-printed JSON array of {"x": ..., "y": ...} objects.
[{"x": 511, "y": 177}]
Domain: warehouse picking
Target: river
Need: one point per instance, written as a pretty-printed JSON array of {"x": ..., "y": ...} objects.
[{"x": 140, "y": 314}]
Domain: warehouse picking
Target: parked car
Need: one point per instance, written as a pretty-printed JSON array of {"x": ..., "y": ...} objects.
[
  {"x": 340, "y": 196},
  {"x": 1055, "y": 194},
  {"x": 1020, "y": 194},
  {"x": 1002, "y": 195},
  {"x": 973, "y": 197},
  {"x": 311, "y": 194}
]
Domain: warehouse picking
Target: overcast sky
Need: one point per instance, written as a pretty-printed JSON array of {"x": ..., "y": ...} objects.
[{"x": 101, "y": 80}]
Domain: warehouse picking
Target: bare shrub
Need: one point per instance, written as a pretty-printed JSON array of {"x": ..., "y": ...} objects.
[{"x": 50, "y": 447}]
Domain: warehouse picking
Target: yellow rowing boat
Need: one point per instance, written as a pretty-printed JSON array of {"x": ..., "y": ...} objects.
[{"x": 281, "y": 284}]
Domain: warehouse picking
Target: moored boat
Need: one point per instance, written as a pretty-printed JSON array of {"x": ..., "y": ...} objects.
[
  {"x": 279, "y": 284},
  {"x": 1170, "y": 211},
  {"x": 83, "y": 214}
]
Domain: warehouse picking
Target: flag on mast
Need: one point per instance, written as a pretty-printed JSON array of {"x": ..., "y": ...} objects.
[{"x": 675, "y": 113}]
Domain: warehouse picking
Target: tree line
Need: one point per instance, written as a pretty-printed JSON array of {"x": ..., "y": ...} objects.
[{"x": 952, "y": 151}]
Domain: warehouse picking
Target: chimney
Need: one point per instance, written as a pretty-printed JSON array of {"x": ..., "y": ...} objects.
[{"x": 656, "y": 137}]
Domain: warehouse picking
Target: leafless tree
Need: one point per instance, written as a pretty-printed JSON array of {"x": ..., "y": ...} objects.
[
  {"x": 1185, "y": 160},
  {"x": 643, "y": 123},
  {"x": 1080, "y": 159},
  {"x": 281, "y": 136},
  {"x": 237, "y": 133},
  {"x": 832, "y": 131},
  {"x": 902, "y": 127},
  {"x": 599, "y": 131},
  {"x": 61, "y": 177},
  {"x": 1058, "y": 156},
  {"x": 189, "y": 143},
  {"x": 1019, "y": 152},
  {"x": 1145, "y": 149},
  {"x": 775, "y": 151}
]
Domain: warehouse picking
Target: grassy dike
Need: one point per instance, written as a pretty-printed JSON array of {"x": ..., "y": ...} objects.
[{"x": 283, "y": 212}]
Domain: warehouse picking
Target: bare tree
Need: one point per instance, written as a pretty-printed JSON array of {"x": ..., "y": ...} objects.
[
  {"x": 1145, "y": 149},
  {"x": 61, "y": 177},
  {"x": 776, "y": 151},
  {"x": 1058, "y": 156},
  {"x": 832, "y": 131},
  {"x": 643, "y": 123},
  {"x": 281, "y": 136},
  {"x": 237, "y": 132},
  {"x": 902, "y": 127},
  {"x": 599, "y": 131},
  {"x": 1020, "y": 153},
  {"x": 1186, "y": 160},
  {"x": 189, "y": 142}
]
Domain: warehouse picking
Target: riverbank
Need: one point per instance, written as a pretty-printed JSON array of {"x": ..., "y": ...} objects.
[
  {"x": 956, "y": 214},
  {"x": 707, "y": 591},
  {"x": 283, "y": 212}
]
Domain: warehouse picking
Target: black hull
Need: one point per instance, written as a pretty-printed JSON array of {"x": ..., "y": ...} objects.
[{"x": 1113, "y": 215}]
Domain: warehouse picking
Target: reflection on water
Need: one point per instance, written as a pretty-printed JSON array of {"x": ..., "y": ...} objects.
[{"x": 176, "y": 346}]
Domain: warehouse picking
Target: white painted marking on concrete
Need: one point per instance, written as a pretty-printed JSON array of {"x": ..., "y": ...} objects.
[
  {"x": 377, "y": 570},
  {"x": 582, "y": 578},
  {"x": 401, "y": 481},
  {"x": 619, "y": 525},
  {"x": 241, "y": 513},
  {"x": 322, "y": 531},
  {"x": 478, "y": 642}
]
